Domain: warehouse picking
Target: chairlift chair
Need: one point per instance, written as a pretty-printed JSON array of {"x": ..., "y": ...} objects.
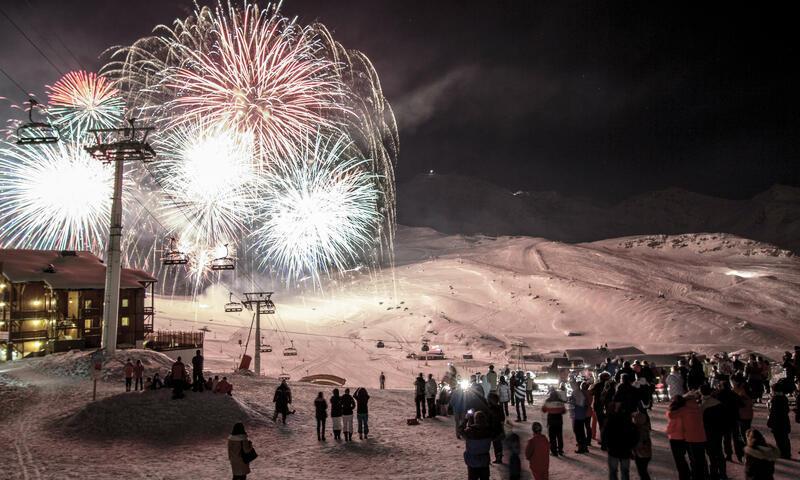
[
  {"x": 231, "y": 306},
  {"x": 284, "y": 376},
  {"x": 290, "y": 351},
  {"x": 224, "y": 262},
  {"x": 425, "y": 347},
  {"x": 267, "y": 307},
  {"x": 380, "y": 344},
  {"x": 126, "y": 148},
  {"x": 173, "y": 256},
  {"x": 266, "y": 348},
  {"x": 36, "y": 133}
]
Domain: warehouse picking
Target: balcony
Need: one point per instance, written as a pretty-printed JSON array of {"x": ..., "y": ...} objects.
[{"x": 28, "y": 335}]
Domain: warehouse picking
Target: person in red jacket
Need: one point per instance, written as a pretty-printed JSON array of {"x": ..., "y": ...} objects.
[
  {"x": 695, "y": 434},
  {"x": 224, "y": 387},
  {"x": 138, "y": 374},
  {"x": 128, "y": 369},
  {"x": 536, "y": 453},
  {"x": 555, "y": 409},
  {"x": 677, "y": 439}
]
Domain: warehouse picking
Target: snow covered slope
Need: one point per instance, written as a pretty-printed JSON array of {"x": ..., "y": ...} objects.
[
  {"x": 707, "y": 292},
  {"x": 456, "y": 204}
]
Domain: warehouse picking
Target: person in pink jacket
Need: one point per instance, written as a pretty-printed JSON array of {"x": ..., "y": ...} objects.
[{"x": 687, "y": 437}]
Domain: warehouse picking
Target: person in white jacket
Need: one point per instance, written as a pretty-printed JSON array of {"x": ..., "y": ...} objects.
[
  {"x": 504, "y": 392},
  {"x": 674, "y": 383}
]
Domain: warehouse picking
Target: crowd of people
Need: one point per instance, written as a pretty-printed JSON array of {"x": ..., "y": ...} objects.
[
  {"x": 709, "y": 415},
  {"x": 177, "y": 378}
]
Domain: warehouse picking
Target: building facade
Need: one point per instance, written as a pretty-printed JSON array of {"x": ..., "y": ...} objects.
[{"x": 52, "y": 301}]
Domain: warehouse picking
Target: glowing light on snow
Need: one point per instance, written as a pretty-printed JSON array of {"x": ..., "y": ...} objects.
[
  {"x": 464, "y": 384},
  {"x": 80, "y": 101},
  {"x": 743, "y": 274},
  {"x": 54, "y": 196}
]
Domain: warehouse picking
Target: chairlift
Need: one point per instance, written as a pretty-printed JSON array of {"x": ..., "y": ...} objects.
[
  {"x": 173, "y": 256},
  {"x": 231, "y": 306},
  {"x": 267, "y": 307},
  {"x": 380, "y": 344},
  {"x": 266, "y": 348},
  {"x": 125, "y": 147},
  {"x": 425, "y": 347},
  {"x": 224, "y": 262},
  {"x": 284, "y": 376},
  {"x": 467, "y": 356},
  {"x": 291, "y": 351},
  {"x": 36, "y": 133}
]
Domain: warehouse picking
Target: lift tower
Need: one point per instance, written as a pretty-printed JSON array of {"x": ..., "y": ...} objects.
[{"x": 262, "y": 302}]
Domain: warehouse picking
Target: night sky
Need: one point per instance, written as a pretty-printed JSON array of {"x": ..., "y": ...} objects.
[{"x": 602, "y": 99}]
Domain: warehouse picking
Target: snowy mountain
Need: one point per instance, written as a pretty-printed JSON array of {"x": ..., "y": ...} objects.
[{"x": 456, "y": 204}]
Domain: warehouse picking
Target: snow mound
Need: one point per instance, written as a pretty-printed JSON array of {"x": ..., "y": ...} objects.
[
  {"x": 154, "y": 416},
  {"x": 77, "y": 363}
]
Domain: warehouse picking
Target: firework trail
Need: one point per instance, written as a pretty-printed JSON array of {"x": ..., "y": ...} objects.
[
  {"x": 320, "y": 212},
  {"x": 54, "y": 197},
  {"x": 80, "y": 101}
]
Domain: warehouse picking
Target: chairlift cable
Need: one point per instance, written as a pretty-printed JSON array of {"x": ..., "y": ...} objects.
[
  {"x": 25, "y": 35},
  {"x": 16, "y": 84}
]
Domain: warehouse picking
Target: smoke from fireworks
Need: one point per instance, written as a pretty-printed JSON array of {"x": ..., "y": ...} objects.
[
  {"x": 80, "y": 101},
  {"x": 54, "y": 197},
  {"x": 320, "y": 211}
]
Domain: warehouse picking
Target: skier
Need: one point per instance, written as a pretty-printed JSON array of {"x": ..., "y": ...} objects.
[
  {"x": 419, "y": 396},
  {"x": 362, "y": 412},
  {"x": 383, "y": 381},
  {"x": 321, "y": 413},
  {"x": 348, "y": 404},
  {"x": 282, "y": 399},
  {"x": 128, "y": 369},
  {"x": 197, "y": 372},
  {"x": 336, "y": 414}
]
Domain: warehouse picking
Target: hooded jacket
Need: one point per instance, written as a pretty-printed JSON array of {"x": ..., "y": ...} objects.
[
  {"x": 759, "y": 462},
  {"x": 236, "y": 445}
]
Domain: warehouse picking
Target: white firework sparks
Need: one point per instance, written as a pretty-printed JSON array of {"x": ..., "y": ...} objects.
[
  {"x": 54, "y": 196},
  {"x": 320, "y": 212}
]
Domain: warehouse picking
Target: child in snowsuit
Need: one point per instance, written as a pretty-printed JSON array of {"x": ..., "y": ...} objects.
[{"x": 537, "y": 453}]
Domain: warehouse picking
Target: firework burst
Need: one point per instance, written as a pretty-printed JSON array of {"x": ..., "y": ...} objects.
[
  {"x": 320, "y": 212},
  {"x": 54, "y": 197},
  {"x": 80, "y": 101}
]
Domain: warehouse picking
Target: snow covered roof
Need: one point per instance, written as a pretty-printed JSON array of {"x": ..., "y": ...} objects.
[{"x": 63, "y": 270}]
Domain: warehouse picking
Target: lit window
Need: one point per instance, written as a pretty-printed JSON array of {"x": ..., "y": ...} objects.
[
  {"x": 126, "y": 321},
  {"x": 87, "y": 324},
  {"x": 87, "y": 303},
  {"x": 124, "y": 303}
]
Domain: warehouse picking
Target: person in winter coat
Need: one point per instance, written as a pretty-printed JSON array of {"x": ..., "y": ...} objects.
[
  {"x": 157, "y": 383},
  {"x": 778, "y": 421},
  {"x": 759, "y": 457},
  {"x": 458, "y": 404},
  {"x": 478, "y": 437},
  {"x": 696, "y": 376},
  {"x": 675, "y": 383},
  {"x": 443, "y": 400},
  {"x": 536, "y": 453},
  {"x": 643, "y": 451},
  {"x": 715, "y": 423},
  {"x": 348, "y": 405},
  {"x": 223, "y": 386},
  {"x": 475, "y": 400},
  {"x": 138, "y": 375},
  {"x": 491, "y": 377},
  {"x": 320, "y": 413},
  {"x": 512, "y": 446},
  {"x": 382, "y": 380},
  {"x": 530, "y": 386},
  {"x": 745, "y": 414},
  {"x": 336, "y": 414},
  {"x": 431, "y": 388},
  {"x": 128, "y": 370},
  {"x": 601, "y": 391},
  {"x": 282, "y": 399},
  {"x": 554, "y": 408},
  {"x": 178, "y": 374},
  {"x": 677, "y": 438},
  {"x": 504, "y": 393},
  {"x": 755, "y": 378},
  {"x": 627, "y": 396},
  {"x": 694, "y": 432},
  {"x": 496, "y": 420},
  {"x": 419, "y": 396},
  {"x": 621, "y": 438},
  {"x": 519, "y": 398},
  {"x": 197, "y": 372},
  {"x": 587, "y": 422},
  {"x": 362, "y": 412},
  {"x": 579, "y": 413},
  {"x": 732, "y": 440},
  {"x": 238, "y": 444}
]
